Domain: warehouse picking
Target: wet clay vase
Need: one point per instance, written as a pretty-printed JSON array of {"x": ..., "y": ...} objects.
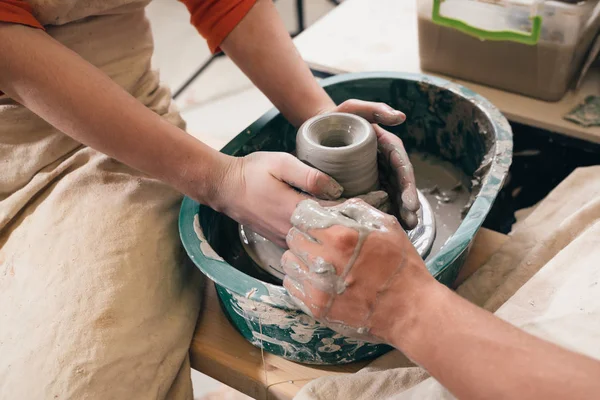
[
  {"x": 344, "y": 146},
  {"x": 444, "y": 120}
]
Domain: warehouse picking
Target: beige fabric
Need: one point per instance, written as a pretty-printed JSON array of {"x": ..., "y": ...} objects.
[
  {"x": 95, "y": 298},
  {"x": 543, "y": 280}
]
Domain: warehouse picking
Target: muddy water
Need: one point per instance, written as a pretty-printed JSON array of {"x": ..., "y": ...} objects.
[{"x": 447, "y": 188}]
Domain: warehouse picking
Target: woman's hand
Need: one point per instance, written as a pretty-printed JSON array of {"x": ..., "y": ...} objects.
[
  {"x": 396, "y": 171},
  {"x": 353, "y": 268},
  {"x": 258, "y": 190}
]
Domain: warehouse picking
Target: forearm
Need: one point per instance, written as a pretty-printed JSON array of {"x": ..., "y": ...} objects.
[
  {"x": 477, "y": 355},
  {"x": 82, "y": 102},
  {"x": 262, "y": 48}
]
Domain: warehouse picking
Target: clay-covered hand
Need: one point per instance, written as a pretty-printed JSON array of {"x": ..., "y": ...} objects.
[
  {"x": 258, "y": 190},
  {"x": 352, "y": 267},
  {"x": 396, "y": 171}
]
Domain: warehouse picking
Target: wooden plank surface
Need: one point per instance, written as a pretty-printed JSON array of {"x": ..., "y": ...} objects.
[
  {"x": 219, "y": 351},
  {"x": 381, "y": 35}
]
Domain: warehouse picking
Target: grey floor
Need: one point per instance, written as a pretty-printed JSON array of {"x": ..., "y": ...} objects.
[{"x": 218, "y": 105}]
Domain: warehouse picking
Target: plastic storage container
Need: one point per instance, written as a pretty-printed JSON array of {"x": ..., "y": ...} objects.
[{"x": 530, "y": 47}]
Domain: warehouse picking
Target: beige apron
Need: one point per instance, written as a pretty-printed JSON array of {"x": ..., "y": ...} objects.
[
  {"x": 544, "y": 280},
  {"x": 95, "y": 298}
]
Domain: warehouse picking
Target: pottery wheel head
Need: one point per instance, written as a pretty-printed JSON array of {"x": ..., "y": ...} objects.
[{"x": 266, "y": 255}]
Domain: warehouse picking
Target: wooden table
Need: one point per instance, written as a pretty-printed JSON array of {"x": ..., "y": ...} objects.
[
  {"x": 381, "y": 35},
  {"x": 219, "y": 351}
]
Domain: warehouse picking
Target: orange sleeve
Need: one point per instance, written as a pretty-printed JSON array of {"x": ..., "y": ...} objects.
[
  {"x": 215, "y": 19},
  {"x": 18, "y": 12}
]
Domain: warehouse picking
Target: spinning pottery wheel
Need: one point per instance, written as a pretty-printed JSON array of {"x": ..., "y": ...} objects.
[
  {"x": 345, "y": 147},
  {"x": 463, "y": 148}
]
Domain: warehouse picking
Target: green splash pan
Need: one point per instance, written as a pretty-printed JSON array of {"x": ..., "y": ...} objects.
[{"x": 444, "y": 119}]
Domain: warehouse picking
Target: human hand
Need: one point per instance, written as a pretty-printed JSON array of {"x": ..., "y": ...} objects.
[
  {"x": 396, "y": 171},
  {"x": 353, "y": 268},
  {"x": 258, "y": 190}
]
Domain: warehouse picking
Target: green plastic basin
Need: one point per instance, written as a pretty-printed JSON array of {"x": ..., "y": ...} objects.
[{"x": 444, "y": 119}]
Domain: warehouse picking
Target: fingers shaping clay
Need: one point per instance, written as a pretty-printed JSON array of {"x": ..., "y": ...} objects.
[{"x": 343, "y": 146}]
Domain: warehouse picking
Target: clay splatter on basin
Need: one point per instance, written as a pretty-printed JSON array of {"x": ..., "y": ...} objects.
[{"x": 460, "y": 131}]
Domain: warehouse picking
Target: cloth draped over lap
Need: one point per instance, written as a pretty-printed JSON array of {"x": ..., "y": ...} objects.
[{"x": 544, "y": 280}]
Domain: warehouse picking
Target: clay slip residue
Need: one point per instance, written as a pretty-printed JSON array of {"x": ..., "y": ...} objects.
[{"x": 205, "y": 248}]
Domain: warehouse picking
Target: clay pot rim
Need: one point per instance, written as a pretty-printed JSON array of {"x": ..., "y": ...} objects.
[
  {"x": 359, "y": 143},
  {"x": 238, "y": 283}
]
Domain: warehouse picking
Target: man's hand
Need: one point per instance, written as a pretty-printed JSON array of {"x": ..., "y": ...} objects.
[{"x": 352, "y": 267}]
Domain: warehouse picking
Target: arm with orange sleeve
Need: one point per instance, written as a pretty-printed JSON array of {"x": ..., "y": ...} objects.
[
  {"x": 18, "y": 12},
  {"x": 253, "y": 35}
]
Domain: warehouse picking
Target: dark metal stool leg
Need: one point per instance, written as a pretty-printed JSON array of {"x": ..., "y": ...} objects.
[{"x": 300, "y": 15}]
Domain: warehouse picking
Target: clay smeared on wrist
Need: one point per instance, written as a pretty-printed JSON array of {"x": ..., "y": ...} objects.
[{"x": 361, "y": 218}]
